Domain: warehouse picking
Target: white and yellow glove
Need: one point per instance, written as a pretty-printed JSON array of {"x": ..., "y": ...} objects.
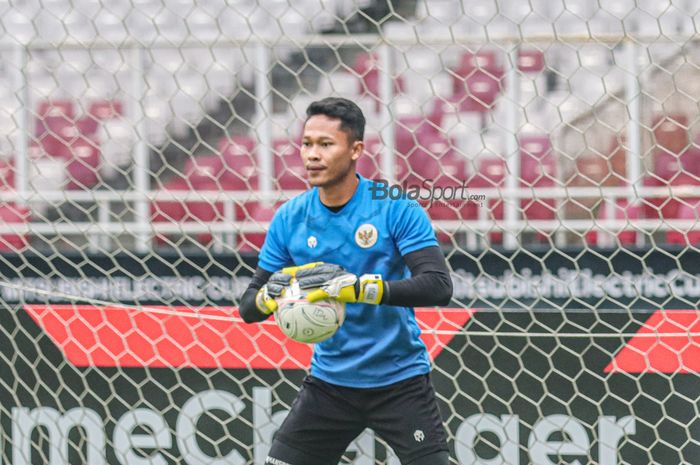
[
  {"x": 329, "y": 281},
  {"x": 266, "y": 298}
]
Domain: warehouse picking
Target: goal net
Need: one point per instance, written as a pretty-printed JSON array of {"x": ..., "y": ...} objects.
[{"x": 146, "y": 144}]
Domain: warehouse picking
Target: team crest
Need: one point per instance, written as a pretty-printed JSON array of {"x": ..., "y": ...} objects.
[
  {"x": 366, "y": 236},
  {"x": 312, "y": 242}
]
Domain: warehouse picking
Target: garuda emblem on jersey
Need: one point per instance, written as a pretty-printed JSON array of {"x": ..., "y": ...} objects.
[{"x": 366, "y": 236}]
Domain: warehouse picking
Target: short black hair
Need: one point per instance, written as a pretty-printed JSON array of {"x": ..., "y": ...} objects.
[{"x": 352, "y": 121}]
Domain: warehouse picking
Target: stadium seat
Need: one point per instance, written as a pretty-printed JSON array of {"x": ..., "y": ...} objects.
[
  {"x": 530, "y": 60},
  {"x": 55, "y": 125},
  {"x": 690, "y": 158},
  {"x": 169, "y": 211},
  {"x": 205, "y": 172},
  {"x": 238, "y": 154},
  {"x": 433, "y": 158},
  {"x": 175, "y": 211},
  {"x": 453, "y": 173},
  {"x": 491, "y": 173},
  {"x": 290, "y": 172},
  {"x": 669, "y": 207},
  {"x": 366, "y": 68},
  {"x": 13, "y": 215},
  {"x": 667, "y": 165},
  {"x": 255, "y": 213},
  {"x": 56, "y": 108},
  {"x": 620, "y": 210},
  {"x": 98, "y": 111},
  {"x": 676, "y": 163},
  {"x": 686, "y": 211},
  {"x": 536, "y": 159},
  {"x": 7, "y": 175},
  {"x": 478, "y": 92},
  {"x": 671, "y": 133},
  {"x": 484, "y": 62},
  {"x": 83, "y": 163},
  {"x": 453, "y": 168},
  {"x": 368, "y": 165},
  {"x": 537, "y": 169}
]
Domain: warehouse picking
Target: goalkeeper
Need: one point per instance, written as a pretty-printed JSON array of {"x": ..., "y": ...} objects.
[{"x": 381, "y": 258}]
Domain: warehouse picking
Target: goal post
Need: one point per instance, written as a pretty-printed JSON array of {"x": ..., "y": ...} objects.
[{"x": 145, "y": 146}]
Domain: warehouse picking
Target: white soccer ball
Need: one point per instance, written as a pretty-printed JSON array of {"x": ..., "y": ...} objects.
[{"x": 308, "y": 322}]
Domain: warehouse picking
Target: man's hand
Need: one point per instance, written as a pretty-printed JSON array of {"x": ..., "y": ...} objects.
[
  {"x": 330, "y": 281},
  {"x": 266, "y": 298}
]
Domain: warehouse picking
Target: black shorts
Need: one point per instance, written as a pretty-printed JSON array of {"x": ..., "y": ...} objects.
[{"x": 325, "y": 418}]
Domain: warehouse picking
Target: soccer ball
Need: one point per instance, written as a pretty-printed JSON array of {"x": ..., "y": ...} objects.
[{"x": 308, "y": 322}]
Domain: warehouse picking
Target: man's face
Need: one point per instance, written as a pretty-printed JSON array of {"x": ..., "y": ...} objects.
[{"x": 327, "y": 153}]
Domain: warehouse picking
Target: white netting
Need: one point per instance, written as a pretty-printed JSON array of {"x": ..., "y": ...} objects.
[{"x": 145, "y": 145}]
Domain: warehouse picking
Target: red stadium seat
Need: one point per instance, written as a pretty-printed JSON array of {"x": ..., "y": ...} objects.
[
  {"x": 621, "y": 210},
  {"x": 59, "y": 135},
  {"x": 478, "y": 92},
  {"x": 205, "y": 172},
  {"x": 453, "y": 169},
  {"x": 13, "y": 215},
  {"x": 55, "y": 108},
  {"x": 671, "y": 154},
  {"x": 257, "y": 213},
  {"x": 491, "y": 174},
  {"x": 537, "y": 169},
  {"x": 7, "y": 174},
  {"x": 83, "y": 163},
  {"x": 530, "y": 60},
  {"x": 434, "y": 159},
  {"x": 484, "y": 61},
  {"x": 106, "y": 109},
  {"x": 176, "y": 211},
  {"x": 368, "y": 165},
  {"x": 366, "y": 68},
  {"x": 671, "y": 133},
  {"x": 169, "y": 211},
  {"x": 239, "y": 158},
  {"x": 55, "y": 125},
  {"x": 686, "y": 211},
  {"x": 668, "y": 207},
  {"x": 98, "y": 111},
  {"x": 290, "y": 172},
  {"x": 690, "y": 159},
  {"x": 453, "y": 174},
  {"x": 536, "y": 159}
]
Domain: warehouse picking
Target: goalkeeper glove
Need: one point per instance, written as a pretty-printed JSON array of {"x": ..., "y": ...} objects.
[
  {"x": 265, "y": 299},
  {"x": 330, "y": 281}
]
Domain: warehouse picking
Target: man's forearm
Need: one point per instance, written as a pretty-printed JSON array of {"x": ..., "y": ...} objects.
[
  {"x": 430, "y": 283},
  {"x": 248, "y": 309}
]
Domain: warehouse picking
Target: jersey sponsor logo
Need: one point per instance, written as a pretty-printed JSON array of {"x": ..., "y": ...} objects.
[
  {"x": 419, "y": 435},
  {"x": 366, "y": 236},
  {"x": 312, "y": 242},
  {"x": 177, "y": 337}
]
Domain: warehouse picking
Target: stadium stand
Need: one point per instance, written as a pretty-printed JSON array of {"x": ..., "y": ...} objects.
[{"x": 199, "y": 100}]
